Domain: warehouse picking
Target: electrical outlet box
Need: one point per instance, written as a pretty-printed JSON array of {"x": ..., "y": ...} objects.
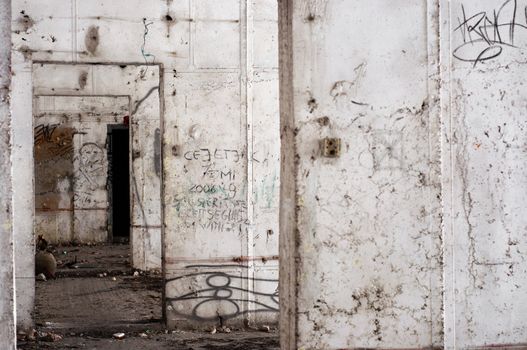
[{"x": 330, "y": 147}]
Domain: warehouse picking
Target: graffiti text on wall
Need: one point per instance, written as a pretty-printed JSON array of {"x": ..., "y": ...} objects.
[
  {"x": 213, "y": 201},
  {"x": 486, "y": 35},
  {"x": 57, "y": 142},
  {"x": 223, "y": 295}
]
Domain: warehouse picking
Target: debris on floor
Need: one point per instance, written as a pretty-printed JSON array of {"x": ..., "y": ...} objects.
[
  {"x": 49, "y": 337},
  {"x": 159, "y": 340},
  {"x": 118, "y": 335}
]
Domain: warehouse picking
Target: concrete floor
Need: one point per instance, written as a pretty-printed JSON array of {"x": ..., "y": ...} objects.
[
  {"x": 97, "y": 295},
  {"x": 239, "y": 340},
  {"x": 75, "y": 302}
]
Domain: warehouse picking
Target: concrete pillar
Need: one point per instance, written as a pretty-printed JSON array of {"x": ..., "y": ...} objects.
[
  {"x": 7, "y": 305},
  {"x": 23, "y": 197}
]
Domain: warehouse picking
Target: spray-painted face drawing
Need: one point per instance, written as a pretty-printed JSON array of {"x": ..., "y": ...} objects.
[{"x": 91, "y": 159}]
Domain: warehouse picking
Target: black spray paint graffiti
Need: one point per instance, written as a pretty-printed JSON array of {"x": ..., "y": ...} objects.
[
  {"x": 486, "y": 35},
  {"x": 228, "y": 191},
  {"x": 222, "y": 296},
  {"x": 91, "y": 166},
  {"x": 59, "y": 144}
]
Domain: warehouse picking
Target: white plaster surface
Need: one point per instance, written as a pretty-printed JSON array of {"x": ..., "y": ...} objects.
[{"x": 23, "y": 198}]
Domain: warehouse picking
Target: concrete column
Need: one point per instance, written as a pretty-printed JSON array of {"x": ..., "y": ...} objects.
[{"x": 7, "y": 305}]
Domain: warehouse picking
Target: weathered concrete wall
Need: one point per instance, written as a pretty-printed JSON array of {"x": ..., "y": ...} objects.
[
  {"x": 222, "y": 177},
  {"x": 484, "y": 147},
  {"x": 366, "y": 235},
  {"x": 7, "y": 304},
  {"x": 218, "y": 90},
  {"x": 366, "y": 228}
]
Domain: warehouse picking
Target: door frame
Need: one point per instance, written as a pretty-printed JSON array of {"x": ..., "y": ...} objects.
[{"x": 144, "y": 85}]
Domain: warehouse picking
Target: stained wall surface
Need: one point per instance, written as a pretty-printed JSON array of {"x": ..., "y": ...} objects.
[
  {"x": 367, "y": 234},
  {"x": 220, "y": 158}
]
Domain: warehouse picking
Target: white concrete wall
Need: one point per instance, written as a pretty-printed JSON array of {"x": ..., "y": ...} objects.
[
  {"x": 7, "y": 304},
  {"x": 367, "y": 234},
  {"x": 218, "y": 91},
  {"x": 484, "y": 144}
]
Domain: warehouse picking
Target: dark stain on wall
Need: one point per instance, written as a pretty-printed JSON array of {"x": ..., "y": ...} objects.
[
  {"x": 170, "y": 21},
  {"x": 83, "y": 79},
  {"x": 53, "y": 163},
  {"x": 157, "y": 152},
  {"x": 323, "y": 121},
  {"x": 91, "y": 40},
  {"x": 26, "y": 52},
  {"x": 312, "y": 104},
  {"x": 25, "y": 21}
]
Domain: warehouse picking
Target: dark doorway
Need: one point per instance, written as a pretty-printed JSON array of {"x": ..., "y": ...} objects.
[{"x": 119, "y": 183}]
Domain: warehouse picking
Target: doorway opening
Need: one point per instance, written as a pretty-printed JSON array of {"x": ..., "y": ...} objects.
[
  {"x": 87, "y": 281},
  {"x": 119, "y": 183}
]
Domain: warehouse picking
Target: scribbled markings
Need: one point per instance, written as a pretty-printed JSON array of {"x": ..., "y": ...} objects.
[
  {"x": 485, "y": 35},
  {"x": 91, "y": 159},
  {"x": 58, "y": 144},
  {"x": 217, "y": 299},
  {"x": 206, "y": 155}
]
